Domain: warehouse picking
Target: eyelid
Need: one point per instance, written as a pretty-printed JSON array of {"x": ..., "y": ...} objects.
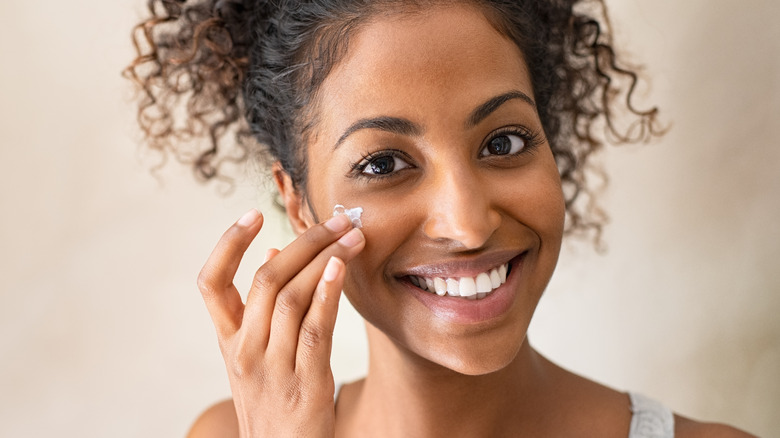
[
  {"x": 356, "y": 168},
  {"x": 533, "y": 138},
  {"x": 396, "y": 168}
]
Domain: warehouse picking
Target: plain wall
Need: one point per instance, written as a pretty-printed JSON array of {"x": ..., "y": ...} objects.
[{"x": 103, "y": 332}]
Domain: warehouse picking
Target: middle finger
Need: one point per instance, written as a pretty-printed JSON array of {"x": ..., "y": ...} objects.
[
  {"x": 295, "y": 299},
  {"x": 280, "y": 269}
]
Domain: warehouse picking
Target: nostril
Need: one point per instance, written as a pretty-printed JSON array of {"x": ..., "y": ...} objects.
[{"x": 462, "y": 208}]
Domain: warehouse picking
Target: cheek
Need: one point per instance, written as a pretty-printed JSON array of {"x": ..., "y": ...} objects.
[
  {"x": 543, "y": 194},
  {"x": 387, "y": 223},
  {"x": 548, "y": 206},
  {"x": 533, "y": 196},
  {"x": 542, "y": 210}
]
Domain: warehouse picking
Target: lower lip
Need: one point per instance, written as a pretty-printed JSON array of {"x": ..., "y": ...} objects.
[{"x": 465, "y": 311}]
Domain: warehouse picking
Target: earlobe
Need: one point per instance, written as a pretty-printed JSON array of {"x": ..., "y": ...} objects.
[{"x": 297, "y": 213}]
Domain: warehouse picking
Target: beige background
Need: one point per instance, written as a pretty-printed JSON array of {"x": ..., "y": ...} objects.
[{"x": 102, "y": 330}]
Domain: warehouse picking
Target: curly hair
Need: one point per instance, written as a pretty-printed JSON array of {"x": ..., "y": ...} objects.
[{"x": 225, "y": 80}]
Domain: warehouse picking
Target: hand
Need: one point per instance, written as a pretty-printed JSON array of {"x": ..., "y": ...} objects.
[{"x": 277, "y": 346}]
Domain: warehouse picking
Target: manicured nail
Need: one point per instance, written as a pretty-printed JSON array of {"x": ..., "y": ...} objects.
[
  {"x": 352, "y": 238},
  {"x": 249, "y": 218},
  {"x": 331, "y": 270},
  {"x": 338, "y": 223}
]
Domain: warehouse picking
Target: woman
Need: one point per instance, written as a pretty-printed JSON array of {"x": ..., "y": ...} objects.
[{"x": 462, "y": 129}]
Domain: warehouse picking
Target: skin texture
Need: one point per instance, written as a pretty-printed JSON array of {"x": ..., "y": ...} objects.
[
  {"x": 277, "y": 346},
  {"x": 448, "y": 204}
]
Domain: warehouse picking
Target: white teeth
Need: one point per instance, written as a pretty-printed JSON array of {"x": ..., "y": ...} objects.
[
  {"x": 495, "y": 279},
  {"x": 452, "y": 287},
  {"x": 440, "y": 286},
  {"x": 472, "y": 288},
  {"x": 467, "y": 287},
  {"x": 483, "y": 283}
]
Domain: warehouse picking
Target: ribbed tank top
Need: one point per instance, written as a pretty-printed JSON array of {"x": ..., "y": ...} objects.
[{"x": 650, "y": 418}]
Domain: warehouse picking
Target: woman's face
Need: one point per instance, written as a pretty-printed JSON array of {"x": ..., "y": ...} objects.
[{"x": 429, "y": 125}]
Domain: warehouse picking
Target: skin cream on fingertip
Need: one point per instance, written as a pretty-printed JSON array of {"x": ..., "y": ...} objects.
[{"x": 352, "y": 213}]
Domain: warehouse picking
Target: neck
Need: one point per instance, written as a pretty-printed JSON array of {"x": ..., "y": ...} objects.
[{"x": 417, "y": 397}]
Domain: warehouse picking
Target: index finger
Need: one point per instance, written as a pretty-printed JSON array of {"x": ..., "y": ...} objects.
[{"x": 284, "y": 266}]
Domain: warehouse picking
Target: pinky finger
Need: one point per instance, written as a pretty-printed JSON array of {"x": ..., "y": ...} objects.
[{"x": 316, "y": 335}]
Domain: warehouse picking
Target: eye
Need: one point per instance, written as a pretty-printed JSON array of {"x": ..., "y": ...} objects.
[
  {"x": 384, "y": 164},
  {"x": 505, "y": 144}
]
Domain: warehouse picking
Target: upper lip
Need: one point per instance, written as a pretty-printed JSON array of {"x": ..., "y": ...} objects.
[{"x": 462, "y": 267}]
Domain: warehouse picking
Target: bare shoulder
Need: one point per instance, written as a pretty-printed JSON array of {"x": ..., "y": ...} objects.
[
  {"x": 217, "y": 421},
  {"x": 687, "y": 428}
]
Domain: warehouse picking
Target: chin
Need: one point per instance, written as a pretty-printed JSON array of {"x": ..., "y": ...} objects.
[
  {"x": 479, "y": 367},
  {"x": 476, "y": 360}
]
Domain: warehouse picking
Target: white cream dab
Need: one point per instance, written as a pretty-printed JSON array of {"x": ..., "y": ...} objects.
[{"x": 352, "y": 213}]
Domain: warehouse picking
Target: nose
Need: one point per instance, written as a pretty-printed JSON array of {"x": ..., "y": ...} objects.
[{"x": 461, "y": 209}]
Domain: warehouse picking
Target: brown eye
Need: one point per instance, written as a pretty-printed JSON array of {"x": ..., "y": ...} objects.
[
  {"x": 385, "y": 165},
  {"x": 504, "y": 145}
]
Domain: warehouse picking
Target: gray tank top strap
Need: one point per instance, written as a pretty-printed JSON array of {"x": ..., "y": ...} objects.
[
  {"x": 338, "y": 389},
  {"x": 650, "y": 418}
]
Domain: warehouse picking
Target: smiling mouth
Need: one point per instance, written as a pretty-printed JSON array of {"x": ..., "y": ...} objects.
[{"x": 470, "y": 288}]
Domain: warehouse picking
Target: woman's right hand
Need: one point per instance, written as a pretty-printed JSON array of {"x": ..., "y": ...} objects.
[{"x": 277, "y": 346}]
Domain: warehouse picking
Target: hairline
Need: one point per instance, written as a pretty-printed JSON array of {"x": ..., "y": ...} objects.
[{"x": 307, "y": 117}]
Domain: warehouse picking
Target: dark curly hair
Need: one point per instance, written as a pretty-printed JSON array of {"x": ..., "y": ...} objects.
[{"x": 226, "y": 80}]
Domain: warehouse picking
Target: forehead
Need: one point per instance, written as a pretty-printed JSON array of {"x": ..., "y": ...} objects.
[{"x": 433, "y": 64}]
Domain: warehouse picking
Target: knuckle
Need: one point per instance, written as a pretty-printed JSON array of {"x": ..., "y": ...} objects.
[
  {"x": 265, "y": 277},
  {"x": 312, "y": 336},
  {"x": 205, "y": 284},
  {"x": 244, "y": 365},
  {"x": 288, "y": 302}
]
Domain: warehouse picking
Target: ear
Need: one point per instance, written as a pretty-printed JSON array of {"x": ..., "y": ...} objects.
[{"x": 297, "y": 211}]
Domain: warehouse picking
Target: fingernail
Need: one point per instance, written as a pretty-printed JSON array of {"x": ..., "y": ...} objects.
[
  {"x": 249, "y": 218},
  {"x": 331, "y": 270},
  {"x": 338, "y": 223},
  {"x": 269, "y": 254},
  {"x": 352, "y": 238}
]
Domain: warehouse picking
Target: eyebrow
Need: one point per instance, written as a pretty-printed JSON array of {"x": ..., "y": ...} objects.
[
  {"x": 401, "y": 126},
  {"x": 395, "y": 125},
  {"x": 493, "y": 104}
]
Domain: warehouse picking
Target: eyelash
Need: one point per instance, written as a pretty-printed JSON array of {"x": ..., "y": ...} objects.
[
  {"x": 532, "y": 140},
  {"x": 357, "y": 168}
]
